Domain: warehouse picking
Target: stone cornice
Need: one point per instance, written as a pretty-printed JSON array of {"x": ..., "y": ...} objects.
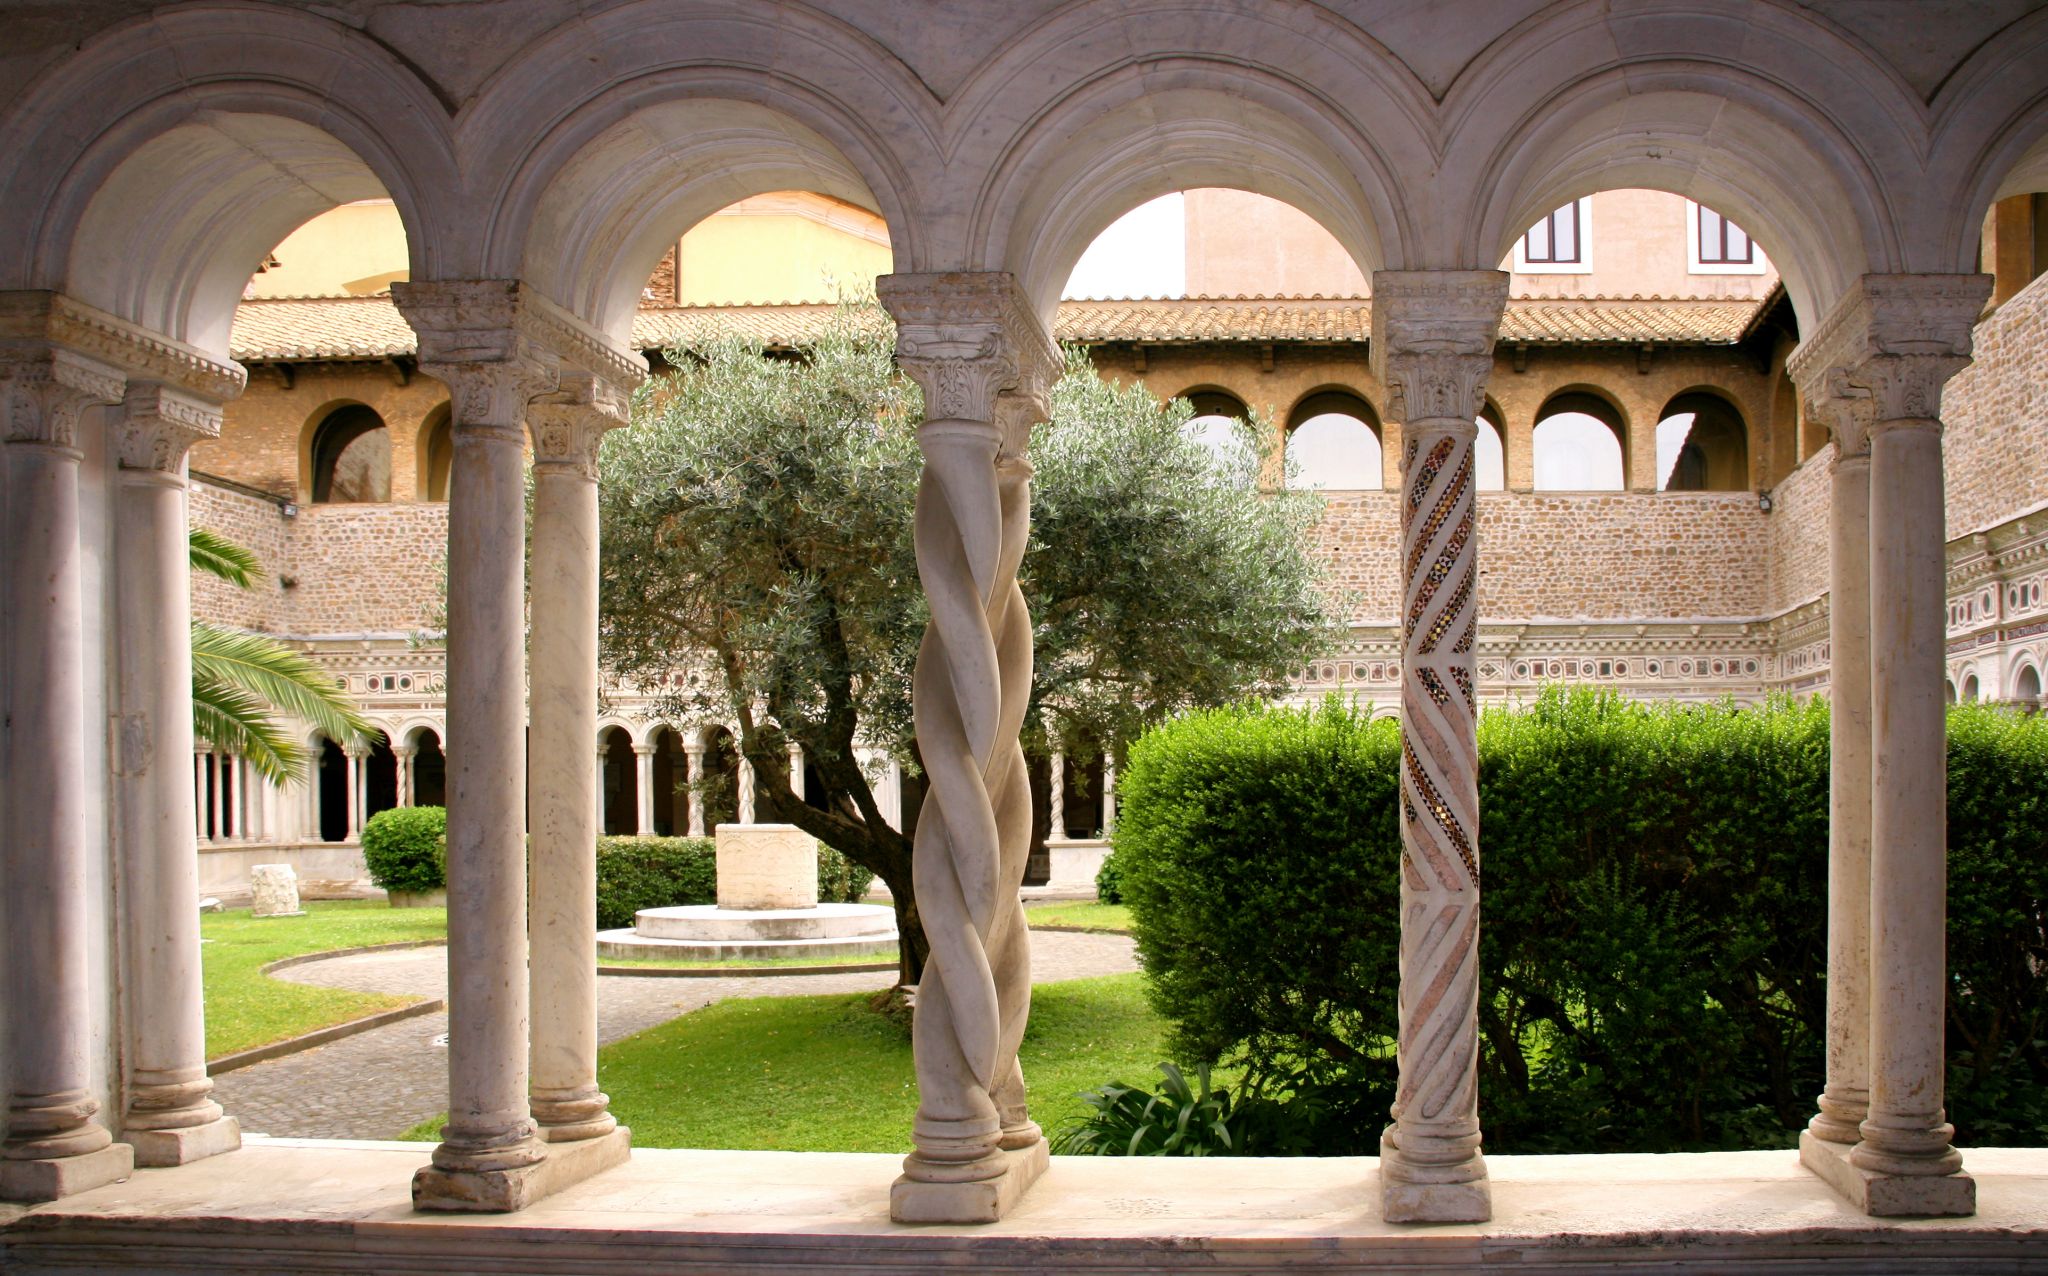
[
  {"x": 1432, "y": 341},
  {"x": 39, "y": 319},
  {"x": 1885, "y": 350},
  {"x": 973, "y": 345}
]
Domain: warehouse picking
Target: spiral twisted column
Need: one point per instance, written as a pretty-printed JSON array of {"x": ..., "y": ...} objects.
[
  {"x": 561, "y": 908},
  {"x": 985, "y": 365},
  {"x": 1876, "y": 366},
  {"x": 1432, "y": 344}
]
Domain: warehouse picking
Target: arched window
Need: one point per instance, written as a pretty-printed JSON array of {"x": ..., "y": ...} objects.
[
  {"x": 671, "y": 784},
  {"x": 1972, "y": 691},
  {"x": 437, "y": 455},
  {"x": 1489, "y": 458},
  {"x": 1948, "y": 691},
  {"x": 2027, "y": 687},
  {"x": 1332, "y": 443},
  {"x": 1216, "y": 422},
  {"x": 620, "y": 799},
  {"x": 1575, "y": 451},
  {"x": 429, "y": 770},
  {"x": 331, "y": 793},
  {"x": 1701, "y": 446},
  {"x": 351, "y": 457}
]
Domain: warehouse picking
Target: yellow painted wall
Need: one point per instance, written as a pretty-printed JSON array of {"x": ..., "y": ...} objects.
[
  {"x": 350, "y": 251},
  {"x": 734, "y": 258}
]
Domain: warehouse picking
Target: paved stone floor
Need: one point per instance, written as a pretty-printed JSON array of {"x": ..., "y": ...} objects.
[{"x": 378, "y": 1083}]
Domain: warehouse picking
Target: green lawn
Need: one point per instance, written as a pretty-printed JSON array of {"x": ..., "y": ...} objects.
[
  {"x": 826, "y": 1074},
  {"x": 245, "y": 1009},
  {"x": 1081, "y": 916}
]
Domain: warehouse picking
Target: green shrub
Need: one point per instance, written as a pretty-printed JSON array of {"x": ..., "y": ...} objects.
[
  {"x": 665, "y": 872},
  {"x": 406, "y": 848},
  {"x": 1654, "y": 947},
  {"x": 1109, "y": 879}
]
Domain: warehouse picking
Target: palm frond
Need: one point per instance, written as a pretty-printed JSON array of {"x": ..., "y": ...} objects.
[
  {"x": 216, "y": 555},
  {"x": 277, "y": 678},
  {"x": 237, "y": 722}
]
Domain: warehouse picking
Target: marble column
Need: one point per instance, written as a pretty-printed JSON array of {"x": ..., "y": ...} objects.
[
  {"x": 796, "y": 771},
  {"x": 1108, "y": 794},
  {"x": 355, "y": 793},
  {"x": 562, "y": 894},
  {"x": 53, "y": 1147},
  {"x": 643, "y": 789},
  {"x": 199, "y": 791},
  {"x": 1432, "y": 345},
  {"x": 401, "y": 759},
  {"x": 499, "y": 347},
  {"x": 694, "y": 762},
  {"x": 216, "y": 766},
  {"x": 170, "y": 1116},
  {"x": 1056, "y": 800},
  {"x": 745, "y": 797},
  {"x": 986, "y": 366},
  {"x": 1879, "y": 359},
  {"x": 490, "y": 1155}
]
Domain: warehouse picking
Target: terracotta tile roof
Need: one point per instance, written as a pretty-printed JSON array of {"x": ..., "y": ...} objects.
[{"x": 289, "y": 330}]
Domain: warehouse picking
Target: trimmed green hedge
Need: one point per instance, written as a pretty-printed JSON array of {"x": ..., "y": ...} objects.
[
  {"x": 406, "y": 848},
  {"x": 663, "y": 872},
  {"x": 1654, "y": 947}
]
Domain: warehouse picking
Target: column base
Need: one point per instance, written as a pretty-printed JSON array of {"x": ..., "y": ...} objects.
[
  {"x": 986, "y": 1201},
  {"x": 508, "y": 1191},
  {"x": 186, "y": 1145},
  {"x": 1887, "y": 1195},
  {"x": 1402, "y": 1201},
  {"x": 52, "y": 1178}
]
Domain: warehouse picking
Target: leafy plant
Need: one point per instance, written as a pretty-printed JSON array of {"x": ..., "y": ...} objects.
[
  {"x": 242, "y": 681},
  {"x": 1175, "y": 1120},
  {"x": 406, "y": 848}
]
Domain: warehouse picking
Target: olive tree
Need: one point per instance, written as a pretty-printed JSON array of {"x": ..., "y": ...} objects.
[{"x": 758, "y": 567}]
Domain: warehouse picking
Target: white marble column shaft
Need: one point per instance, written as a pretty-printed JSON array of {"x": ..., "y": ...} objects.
[
  {"x": 562, "y": 895},
  {"x": 985, "y": 366},
  {"x": 1432, "y": 341},
  {"x": 170, "y": 1117},
  {"x": 643, "y": 789},
  {"x": 53, "y": 1147},
  {"x": 694, "y": 756},
  {"x": 354, "y": 758}
]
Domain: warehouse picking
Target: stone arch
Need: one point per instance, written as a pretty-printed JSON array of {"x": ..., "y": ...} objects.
[
  {"x": 1576, "y": 401},
  {"x": 616, "y": 132},
  {"x": 1337, "y": 432},
  {"x": 1218, "y": 421},
  {"x": 1972, "y": 689},
  {"x": 1490, "y": 449},
  {"x": 618, "y": 781},
  {"x": 160, "y": 162},
  {"x": 1714, "y": 454},
  {"x": 428, "y": 770},
  {"x": 1140, "y": 110},
  {"x": 1989, "y": 141},
  {"x": 1765, "y": 144},
  {"x": 434, "y": 453},
  {"x": 345, "y": 455},
  {"x": 2026, "y": 683}
]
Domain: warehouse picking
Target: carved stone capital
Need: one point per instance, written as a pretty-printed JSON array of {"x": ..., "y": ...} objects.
[
  {"x": 499, "y": 345},
  {"x": 1432, "y": 341},
  {"x": 973, "y": 345},
  {"x": 43, "y": 393},
  {"x": 1884, "y": 352},
  {"x": 569, "y": 425},
  {"x": 33, "y": 320},
  {"x": 159, "y": 425}
]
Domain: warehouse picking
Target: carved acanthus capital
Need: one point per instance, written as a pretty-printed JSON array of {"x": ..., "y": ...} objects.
[
  {"x": 45, "y": 391},
  {"x": 569, "y": 425},
  {"x": 1432, "y": 340},
  {"x": 1884, "y": 352},
  {"x": 38, "y": 319},
  {"x": 499, "y": 345},
  {"x": 159, "y": 425},
  {"x": 973, "y": 345}
]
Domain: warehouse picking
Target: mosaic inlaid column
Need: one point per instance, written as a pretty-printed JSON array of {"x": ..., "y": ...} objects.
[
  {"x": 1432, "y": 344},
  {"x": 1880, "y": 358},
  {"x": 169, "y": 1117},
  {"x": 53, "y": 1146},
  {"x": 562, "y": 893},
  {"x": 985, "y": 365}
]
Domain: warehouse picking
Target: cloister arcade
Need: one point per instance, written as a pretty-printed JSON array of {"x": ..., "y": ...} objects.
[{"x": 154, "y": 156}]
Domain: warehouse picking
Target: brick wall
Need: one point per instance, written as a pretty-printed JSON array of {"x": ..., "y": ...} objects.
[
  {"x": 1800, "y": 506},
  {"x": 1596, "y": 557},
  {"x": 333, "y": 569},
  {"x": 1995, "y": 417}
]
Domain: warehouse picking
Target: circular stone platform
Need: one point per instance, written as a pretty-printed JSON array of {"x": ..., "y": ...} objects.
[{"x": 704, "y": 932}]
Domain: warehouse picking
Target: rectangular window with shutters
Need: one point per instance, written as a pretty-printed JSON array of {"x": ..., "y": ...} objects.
[
  {"x": 1718, "y": 246},
  {"x": 1559, "y": 244}
]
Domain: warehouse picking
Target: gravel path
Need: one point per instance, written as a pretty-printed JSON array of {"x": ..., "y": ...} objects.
[{"x": 378, "y": 1083}]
